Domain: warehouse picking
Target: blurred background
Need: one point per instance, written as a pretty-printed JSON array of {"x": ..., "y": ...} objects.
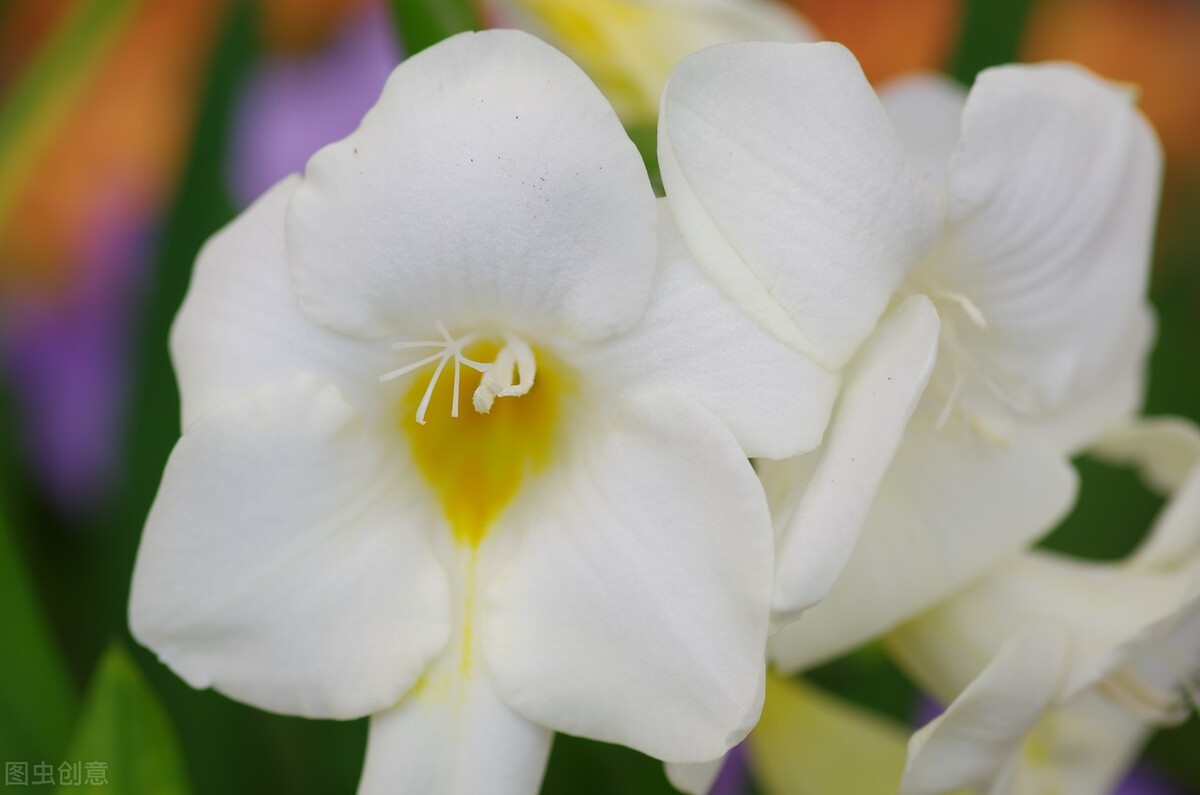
[{"x": 130, "y": 130}]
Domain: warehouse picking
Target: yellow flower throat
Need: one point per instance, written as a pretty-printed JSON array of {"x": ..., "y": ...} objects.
[{"x": 476, "y": 462}]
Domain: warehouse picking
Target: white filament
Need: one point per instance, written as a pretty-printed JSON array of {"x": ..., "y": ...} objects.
[{"x": 498, "y": 376}]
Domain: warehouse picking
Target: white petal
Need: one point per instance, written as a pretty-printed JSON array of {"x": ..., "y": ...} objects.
[
  {"x": 1113, "y": 401},
  {"x": 796, "y": 198},
  {"x": 491, "y": 182},
  {"x": 694, "y": 778},
  {"x": 826, "y": 511},
  {"x": 1053, "y": 194},
  {"x": 1166, "y": 450},
  {"x": 283, "y": 564},
  {"x": 454, "y": 736},
  {"x": 693, "y": 341},
  {"x": 979, "y": 735},
  {"x": 1083, "y": 747},
  {"x": 1107, "y": 608},
  {"x": 927, "y": 111},
  {"x": 1167, "y": 453},
  {"x": 952, "y": 505},
  {"x": 241, "y": 328},
  {"x": 636, "y": 608},
  {"x": 811, "y": 742},
  {"x": 1113, "y": 610}
]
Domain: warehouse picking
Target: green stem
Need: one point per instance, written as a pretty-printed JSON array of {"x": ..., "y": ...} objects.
[{"x": 991, "y": 34}]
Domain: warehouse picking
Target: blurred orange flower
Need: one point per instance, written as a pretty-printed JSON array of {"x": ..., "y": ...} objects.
[
  {"x": 1152, "y": 43},
  {"x": 117, "y": 136},
  {"x": 889, "y": 37},
  {"x": 112, "y": 129}
]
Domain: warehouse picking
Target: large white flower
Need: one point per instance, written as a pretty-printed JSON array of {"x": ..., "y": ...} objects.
[
  {"x": 1058, "y": 669},
  {"x": 464, "y": 443},
  {"x": 1030, "y": 289}
]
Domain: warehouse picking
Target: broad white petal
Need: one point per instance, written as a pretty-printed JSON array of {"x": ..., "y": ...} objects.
[
  {"x": 452, "y": 735},
  {"x": 980, "y": 733},
  {"x": 1053, "y": 194},
  {"x": 952, "y": 505},
  {"x": 809, "y": 742},
  {"x": 635, "y": 610},
  {"x": 796, "y": 198},
  {"x": 240, "y": 326},
  {"x": 492, "y": 182},
  {"x": 1113, "y": 401},
  {"x": 692, "y": 340},
  {"x": 926, "y": 109},
  {"x": 1108, "y": 608},
  {"x": 823, "y": 514},
  {"x": 284, "y": 563}
]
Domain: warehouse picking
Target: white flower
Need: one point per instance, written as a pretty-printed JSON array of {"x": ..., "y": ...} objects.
[
  {"x": 1058, "y": 669},
  {"x": 629, "y": 47},
  {"x": 1037, "y": 272},
  {"x": 464, "y": 443},
  {"x": 1007, "y": 237}
]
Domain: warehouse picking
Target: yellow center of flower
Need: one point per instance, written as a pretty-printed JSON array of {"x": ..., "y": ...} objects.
[{"x": 475, "y": 457}]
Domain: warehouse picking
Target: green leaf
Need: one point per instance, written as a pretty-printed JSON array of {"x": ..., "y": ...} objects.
[
  {"x": 37, "y": 699},
  {"x": 991, "y": 35},
  {"x": 124, "y": 728},
  {"x": 423, "y": 23},
  {"x": 645, "y": 138}
]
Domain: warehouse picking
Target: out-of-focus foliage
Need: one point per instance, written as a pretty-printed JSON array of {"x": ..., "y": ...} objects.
[
  {"x": 123, "y": 726},
  {"x": 37, "y": 698}
]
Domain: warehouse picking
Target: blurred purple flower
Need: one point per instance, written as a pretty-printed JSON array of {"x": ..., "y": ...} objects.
[
  {"x": 734, "y": 778},
  {"x": 66, "y": 358},
  {"x": 1144, "y": 781},
  {"x": 295, "y": 105}
]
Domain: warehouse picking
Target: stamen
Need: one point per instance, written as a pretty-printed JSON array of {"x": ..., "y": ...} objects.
[
  {"x": 515, "y": 360},
  {"x": 1149, "y": 702},
  {"x": 968, "y": 307},
  {"x": 424, "y": 404},
  {"x": 406, "y": 346},
  {"x": 414, "y": 366},
  {"x": 457, "y": 374},
  {"x": 526, "y": 367},
  {"x": 952, "y": 398},
  {"x": 498, "y": 380}
]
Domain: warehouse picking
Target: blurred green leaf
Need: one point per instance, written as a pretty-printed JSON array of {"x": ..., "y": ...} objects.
[
  {"x": 869, "y": 677},
  {"x": 200, "y": 208},
  {"x": 124, "y": 727},
  {"x": 990, "y": 35},
  {"x": 37, "y": 699},
  {"x": 645, "y": 138},
  {"x": 1113, "y": 514},
  {"x": 423, "y": 23},
  {"x": 586, "y": 767}
]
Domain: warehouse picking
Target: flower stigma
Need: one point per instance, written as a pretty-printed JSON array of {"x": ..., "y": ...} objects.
[{"x": 476, "y": 461}]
